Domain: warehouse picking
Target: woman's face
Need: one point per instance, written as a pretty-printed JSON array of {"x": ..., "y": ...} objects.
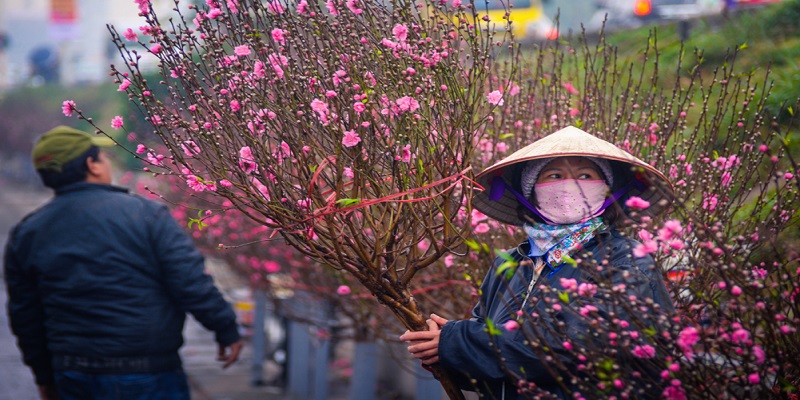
[{"x": 578, "y": 168}]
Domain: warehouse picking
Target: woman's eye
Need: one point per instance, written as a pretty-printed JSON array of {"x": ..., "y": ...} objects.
[
  {"x": 554, "y": 176},
  {"x": 584, "y": 176}
]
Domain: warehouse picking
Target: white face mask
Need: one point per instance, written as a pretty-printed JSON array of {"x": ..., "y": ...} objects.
[{"x": 570, "y": 201}]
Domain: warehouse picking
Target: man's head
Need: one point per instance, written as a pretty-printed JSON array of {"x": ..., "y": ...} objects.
[{"x": 65, "y": 155}]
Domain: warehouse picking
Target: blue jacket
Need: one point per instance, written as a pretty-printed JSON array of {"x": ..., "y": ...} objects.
[
  {"x": 468, "y": 351},
  {"x": 99, "y": 280}
]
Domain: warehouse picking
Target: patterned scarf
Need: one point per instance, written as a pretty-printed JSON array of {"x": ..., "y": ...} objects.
[{"x": 553, "y": 242}]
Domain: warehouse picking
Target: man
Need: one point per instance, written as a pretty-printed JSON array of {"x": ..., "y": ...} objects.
[{"x": 99, "y": 281}]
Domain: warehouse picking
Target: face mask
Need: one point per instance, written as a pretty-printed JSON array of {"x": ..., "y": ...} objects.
[{"x": 570, "y": 201}]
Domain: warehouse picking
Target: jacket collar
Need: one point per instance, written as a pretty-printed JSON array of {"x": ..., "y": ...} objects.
[{"x": 85, "y": 186}]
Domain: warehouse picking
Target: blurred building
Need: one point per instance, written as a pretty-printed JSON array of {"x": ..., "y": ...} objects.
[{"x": 63, "y": 41}]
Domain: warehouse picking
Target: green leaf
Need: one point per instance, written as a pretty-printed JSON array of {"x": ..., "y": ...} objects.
[
  {"x": 505, "y": 256},
  {"x": 491, "y": 328},
  {"x": 715, "y": 154},
  {"x": 563, "y": 296},
  {"x": 506, "y": 136},
  {"x": 790, "y": 110},
  {"x": 473, "y": 245},
  {"x": 343, "y": 203},
  {"x": 507, "y": 268},
  {"x": 742, "y": 46},
  {"x": 569, "y": 260}
]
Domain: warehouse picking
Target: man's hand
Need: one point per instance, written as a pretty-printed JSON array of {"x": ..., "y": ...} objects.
[
  {"x": 230, "y": 353},
  {"x": 48, "y": 392},
  {"x": 424, "y": 345}
]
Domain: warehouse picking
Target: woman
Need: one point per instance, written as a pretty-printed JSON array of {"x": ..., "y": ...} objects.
[{"x": 565, "y": 190}]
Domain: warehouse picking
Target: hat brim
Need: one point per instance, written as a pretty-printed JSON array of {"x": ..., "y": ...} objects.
[{"x": 653, "y": 186}]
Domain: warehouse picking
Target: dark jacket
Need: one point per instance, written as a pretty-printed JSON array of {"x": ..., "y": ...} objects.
[
  {"x": 99, "y": 280},
  {"x": 471, "y": 353}
]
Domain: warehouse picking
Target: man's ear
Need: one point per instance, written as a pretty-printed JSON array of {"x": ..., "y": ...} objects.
[{"x": 92, "y": 166}]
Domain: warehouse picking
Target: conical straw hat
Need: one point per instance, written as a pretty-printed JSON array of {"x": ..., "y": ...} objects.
[{"x": 651, "y": 184}]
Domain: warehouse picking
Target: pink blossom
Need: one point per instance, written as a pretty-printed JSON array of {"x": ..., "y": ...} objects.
[
  {"x": 637, "y": 203},
  {"x": 304, "y": 204},
  {"x": 116, "y": 122},
  {"x": 350, "y": 138},
  {"x": 400, "y": 32},
  {"x": 477, "y": 216},
  {"x": 645, "y": 235},
  {"x": 570, "y": 88},
  {"x": 482, "y": 228},
  {"x": 247, "y": 161},
  {"x": 567, "y": 345},
  {"x": 359, "y": 107},
  {"x": 351, "y": 5},
  {"x": 275, "y": 7},
  {"x": 688, "y": 169},
  {"x": 753, "y": 379},
  {"x": 407, "y": 104},
  {"x": 331, "y": 6},
  {"x": 674, "y": 393},
  {"x": 740, "y": 336},
  {"x": 710, "y": 202},
  {"x": 587, "y": 309},
  {"x": 156, "y": 48},
  {"x": 511, "y": 325},
  {"x": 736, "y": 290},
  {"x": 348, "y": 173},
  {"x": 645, "y": 248},
  {"x": 190, "y": 148},
  {"x": 271, "y": 266},
  {"x": 687, "y": 338},
  {"x": 788, "y": 175},
  {"x": 214, "y": 13},
  {"x": 759, "y": 355},
  {"x": 406, "y": 154},
  {"x": 569, "y": 284},
  {"x": 195, "y": 184},
  {"x": 495, "y": 98},
  {"x": 343, "y": 290},
  {"x": 235, "y": 106},
  {"x": 456, "y": 3},
  {"x": 279, "y": 35},
  {"x": 67, "y": 107},
  {"x": 302, "y": 7},
  {"x": 140, "y": 149},
  {"x": 241, "y": 51},
  {"x": 225, "y": 183},
  {"x": 676, "y": 245},
  {"x": 587, "y": 289},
  {"x": 130, "y": 35}
]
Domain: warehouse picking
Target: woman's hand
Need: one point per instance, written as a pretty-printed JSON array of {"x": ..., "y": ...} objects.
[{"x": 424, "y": 345}]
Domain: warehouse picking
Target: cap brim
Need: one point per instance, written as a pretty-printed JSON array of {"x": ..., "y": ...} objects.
[{"x": 103, "y": 141}]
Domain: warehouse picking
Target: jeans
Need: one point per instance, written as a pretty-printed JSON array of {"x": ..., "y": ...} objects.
[{"x": 73, "y": 385}]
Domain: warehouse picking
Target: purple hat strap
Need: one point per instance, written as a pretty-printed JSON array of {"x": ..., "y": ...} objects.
[{"x": 499, "y": 186}]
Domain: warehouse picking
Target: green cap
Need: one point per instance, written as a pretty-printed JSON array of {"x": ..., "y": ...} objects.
[{"x": 63, "y": 144}]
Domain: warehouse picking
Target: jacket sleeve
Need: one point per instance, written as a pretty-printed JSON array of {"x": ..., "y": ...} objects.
[
  {"x": 183, "y": 269},
  {"x": 468, "y": 348},
  {"x": 26, "y": 316}
]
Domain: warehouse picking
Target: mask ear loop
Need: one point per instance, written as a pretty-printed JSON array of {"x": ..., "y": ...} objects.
[
  {"x": 635, "y": 184},
  {"x": 499, "y": 186}
]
